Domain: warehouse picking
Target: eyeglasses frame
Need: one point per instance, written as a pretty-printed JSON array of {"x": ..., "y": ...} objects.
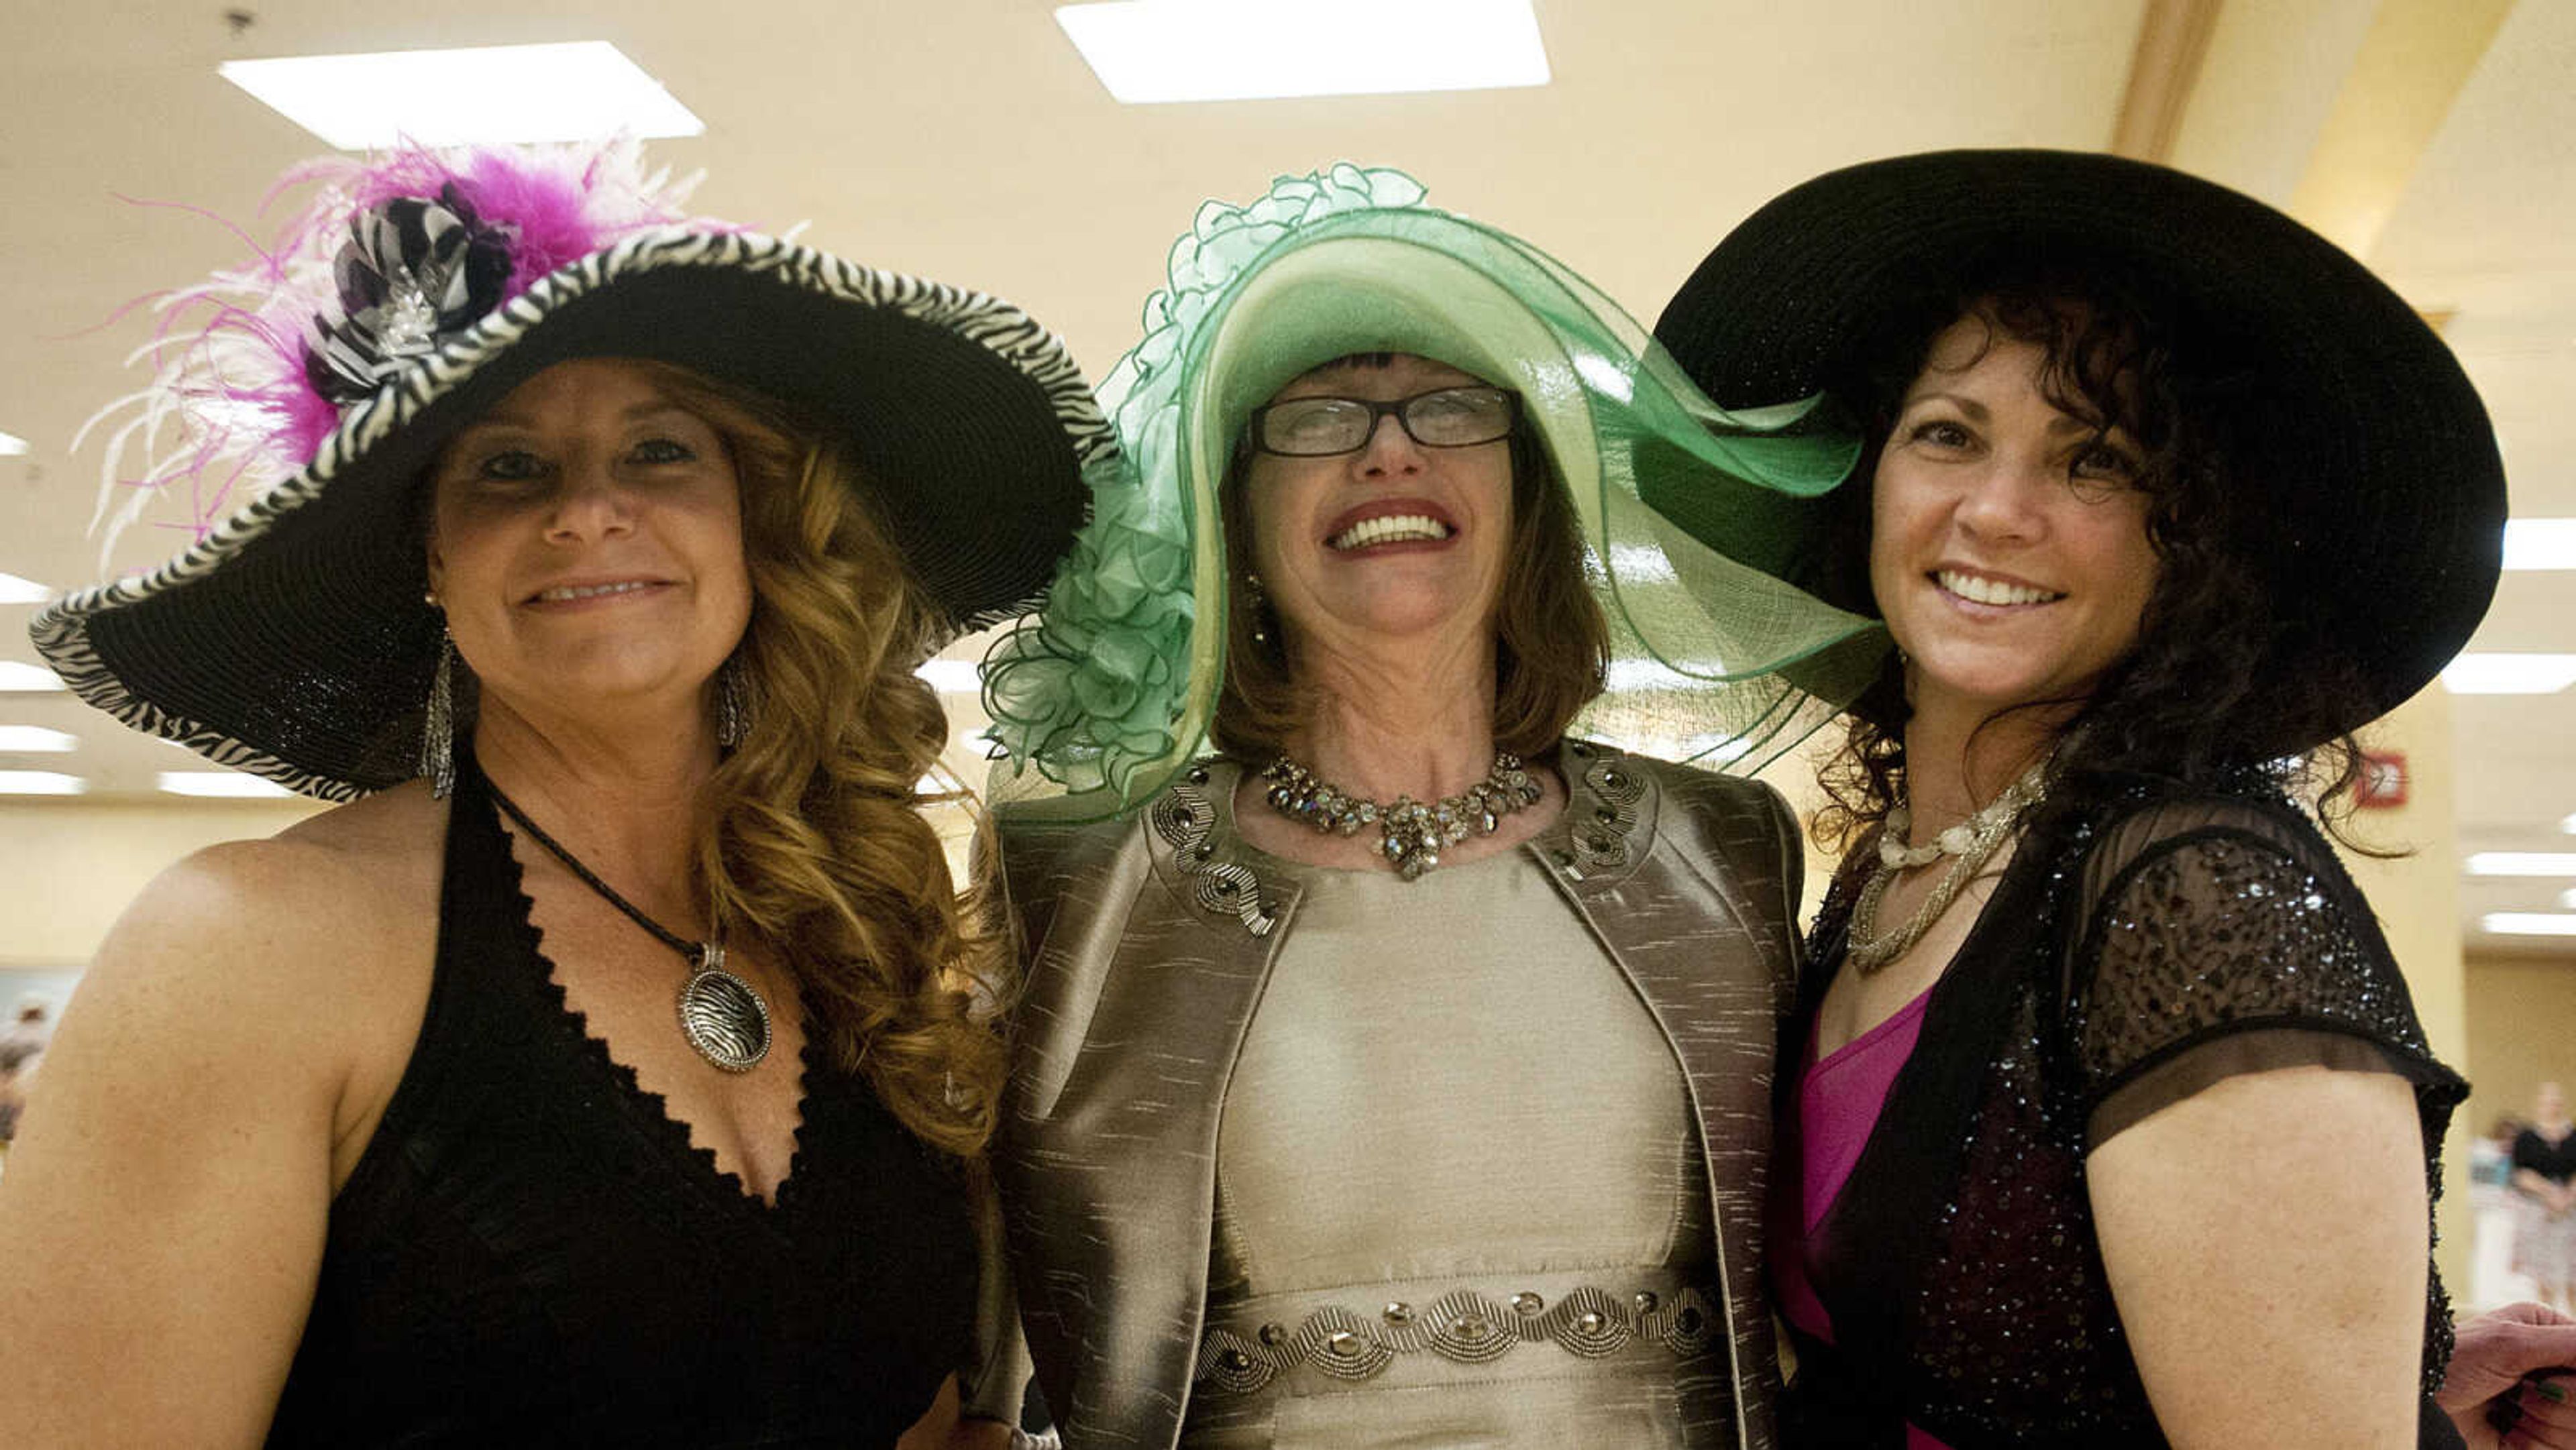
[{"x": 1378, "y": 411}]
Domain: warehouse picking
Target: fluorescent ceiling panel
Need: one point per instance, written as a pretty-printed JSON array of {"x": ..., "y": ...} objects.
[
  {"x": 2540, "y": 544},
  {"x": 11, "y": 445},
  {"x": 1152, "y": 51},
  {"x": 951, "y": 677},
  {"x": 14, "y": 590},
  {"x": 2522, "y": 863},
  {"x": 570, "y": 92},
  {"x": 2509, "y": 674},
  {"x": 2568, "y": 899},
  {"x": 40, "y": 782},
  {"x": 2529, "y": 923},
  {"x": 17, "y": 676},
  {"x": 34, "y": 740},
  {"x": 220, "y": 784}
]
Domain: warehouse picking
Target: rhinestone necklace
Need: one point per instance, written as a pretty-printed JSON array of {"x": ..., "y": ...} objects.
[
  {"x": 1410, "y": 834},
  {"x": 722, "y": 1015},
  {"x": 1972, "y": 842}
]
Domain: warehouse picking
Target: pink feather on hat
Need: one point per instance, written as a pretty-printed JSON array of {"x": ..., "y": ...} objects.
[{"x": 234, "y": 404}]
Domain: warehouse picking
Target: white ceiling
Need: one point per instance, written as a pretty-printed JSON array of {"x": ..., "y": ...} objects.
[{"x": 967, "y": 141}]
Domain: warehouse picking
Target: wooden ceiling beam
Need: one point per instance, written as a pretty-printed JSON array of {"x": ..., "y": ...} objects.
[
  {"x": 2173, "y": 40},
  {"x": 2415, "y": 60}
]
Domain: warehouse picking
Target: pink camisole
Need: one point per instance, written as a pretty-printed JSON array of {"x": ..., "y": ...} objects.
[{"x": 1839, "y": 1099}]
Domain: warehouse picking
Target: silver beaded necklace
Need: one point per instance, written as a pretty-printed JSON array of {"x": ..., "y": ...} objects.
[
  {"x": 1972, "y": 842},
  {"x": 1410, "y": 834}
]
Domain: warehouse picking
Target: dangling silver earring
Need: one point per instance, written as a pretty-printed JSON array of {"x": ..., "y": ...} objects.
[
  {"x": 1259, "y": 603},
  {"x": 733, "y": 703},
  {"x": 438, "y": 726}
]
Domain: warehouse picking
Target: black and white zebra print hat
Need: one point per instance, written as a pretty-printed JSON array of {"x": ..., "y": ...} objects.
[{"x": 294, "y": 414}]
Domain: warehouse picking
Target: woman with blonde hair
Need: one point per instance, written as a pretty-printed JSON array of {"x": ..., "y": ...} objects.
[{"x": 604, "y": 1070}]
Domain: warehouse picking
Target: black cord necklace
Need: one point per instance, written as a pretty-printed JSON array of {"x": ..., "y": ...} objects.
[{"x": 722, "y": 1015}]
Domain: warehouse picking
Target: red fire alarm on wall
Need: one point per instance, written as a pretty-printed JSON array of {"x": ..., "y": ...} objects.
[{"x": 2383, "y": 780}]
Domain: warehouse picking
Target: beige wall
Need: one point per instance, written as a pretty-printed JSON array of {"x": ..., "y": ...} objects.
[
  {"x": 68, "y": 868},
  {"x": 2522, "y": 1031}
]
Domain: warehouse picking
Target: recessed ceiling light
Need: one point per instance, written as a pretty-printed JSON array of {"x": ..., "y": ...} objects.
[
  {"x": 40, "y": 782},
  {"x": 2568, "y": 899},
  {"x": 2529, "y": 923},
  {"x": 2522, "y": 863},
  {"x": 17, "y": 676},
  {"x": 2509, "y": 674},
  {"x": 11, "y": 445},
  {"x": 223, "y": 784},
  {"x": 1150, "y": 51},
  {"x": 34, "y": 740},
  {"x": 951, "y": 677},
  {"x": 14, "y": 590},
  {"x": 2568, "y": 825},
  {"x": 569, "y": 92},
  {"x": 2540, "y": 543}
]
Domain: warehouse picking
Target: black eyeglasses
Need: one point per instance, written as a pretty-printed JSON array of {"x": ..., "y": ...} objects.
[{"x": 1442, "y": 418}]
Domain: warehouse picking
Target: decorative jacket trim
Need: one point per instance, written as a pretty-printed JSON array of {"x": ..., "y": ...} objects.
[{"x": 1148, "y": 943}]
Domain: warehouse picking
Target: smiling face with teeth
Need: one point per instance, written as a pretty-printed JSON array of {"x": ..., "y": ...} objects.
[
  {"x": 586, "y": 543},
  {"x": 1395, "y": 540},
  {"x": 2008, "y": 548}
]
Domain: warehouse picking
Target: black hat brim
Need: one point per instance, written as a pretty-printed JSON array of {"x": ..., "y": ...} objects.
[
  {"x": 2387, "y": 499},
  {"x": 294, "y": 641}
]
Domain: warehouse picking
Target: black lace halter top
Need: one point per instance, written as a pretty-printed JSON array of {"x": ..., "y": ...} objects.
[{"x": 530, "y": 1252}]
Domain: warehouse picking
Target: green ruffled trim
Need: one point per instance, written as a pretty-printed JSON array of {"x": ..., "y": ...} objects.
[
  {"x": 1090, "y": 689},
  {"x": 1694, "y": 515},
  {"x": 1093, "y": 690}
]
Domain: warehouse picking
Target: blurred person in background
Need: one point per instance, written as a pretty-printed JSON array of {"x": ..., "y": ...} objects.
[{"x": 2544, "y": 1181}]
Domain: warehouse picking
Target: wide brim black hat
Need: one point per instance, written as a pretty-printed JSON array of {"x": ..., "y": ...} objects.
[
  {"x": 2383, "y": 492},
  {"x": 293, "y": 640}
]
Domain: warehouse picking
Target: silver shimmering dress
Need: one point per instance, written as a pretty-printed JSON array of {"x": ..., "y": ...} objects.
[{"x": 1458, "y": 1187}]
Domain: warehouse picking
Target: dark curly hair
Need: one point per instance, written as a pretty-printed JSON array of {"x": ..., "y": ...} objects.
[{"x": 2201, "y": 699}]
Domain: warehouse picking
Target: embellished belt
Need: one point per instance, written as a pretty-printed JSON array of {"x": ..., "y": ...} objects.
[{"x": 1254, "y": 1340}]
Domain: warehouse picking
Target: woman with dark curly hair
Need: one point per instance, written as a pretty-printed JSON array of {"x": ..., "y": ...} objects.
[
  {"x": 2164, "y": 497},
  {"x": 604, "y": 1070}
]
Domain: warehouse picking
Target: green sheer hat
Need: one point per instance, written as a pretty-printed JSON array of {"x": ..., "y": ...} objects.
[{"x": 1689, "y": 512}]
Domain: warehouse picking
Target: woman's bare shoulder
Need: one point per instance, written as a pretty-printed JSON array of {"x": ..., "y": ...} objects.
[{"x": 336, "y": 894}]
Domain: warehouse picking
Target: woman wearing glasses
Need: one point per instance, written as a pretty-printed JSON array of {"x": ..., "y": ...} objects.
[{"x": 1397, "y": 1074}]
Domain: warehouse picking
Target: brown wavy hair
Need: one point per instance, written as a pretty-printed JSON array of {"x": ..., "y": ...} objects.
[
  {"x": 2199, "y": 699},
  {"x": 1551, "y": 641},
  {"x": 813, "y": 845}
]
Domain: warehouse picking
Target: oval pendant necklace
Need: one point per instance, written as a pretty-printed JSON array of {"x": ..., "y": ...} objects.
[{"x": 721, "y": 1015}]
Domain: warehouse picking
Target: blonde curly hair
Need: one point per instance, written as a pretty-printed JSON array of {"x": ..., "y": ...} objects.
[{"x": 813, "y": 845}]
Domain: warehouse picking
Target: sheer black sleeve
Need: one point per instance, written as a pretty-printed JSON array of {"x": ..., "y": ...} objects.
[{"x": 2224, "y": 938}]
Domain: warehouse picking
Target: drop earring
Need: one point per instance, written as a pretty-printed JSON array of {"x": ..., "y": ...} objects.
[
  {"x": 733, "y": 703},
  {"x": 1259, "y": 604},
  {"x": 438, "y": 723}
]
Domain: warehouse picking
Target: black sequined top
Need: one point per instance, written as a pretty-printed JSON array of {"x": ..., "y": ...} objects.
[
  {"x": 531, "y": 1251},
  {"x": 2129, "y": 956}
]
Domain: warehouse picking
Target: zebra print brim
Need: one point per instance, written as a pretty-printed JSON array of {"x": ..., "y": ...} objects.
[{"x": 292, "y": 641}]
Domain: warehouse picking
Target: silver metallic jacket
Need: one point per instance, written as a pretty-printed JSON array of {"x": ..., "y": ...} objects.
[{"x": 1148, "y": 942}]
